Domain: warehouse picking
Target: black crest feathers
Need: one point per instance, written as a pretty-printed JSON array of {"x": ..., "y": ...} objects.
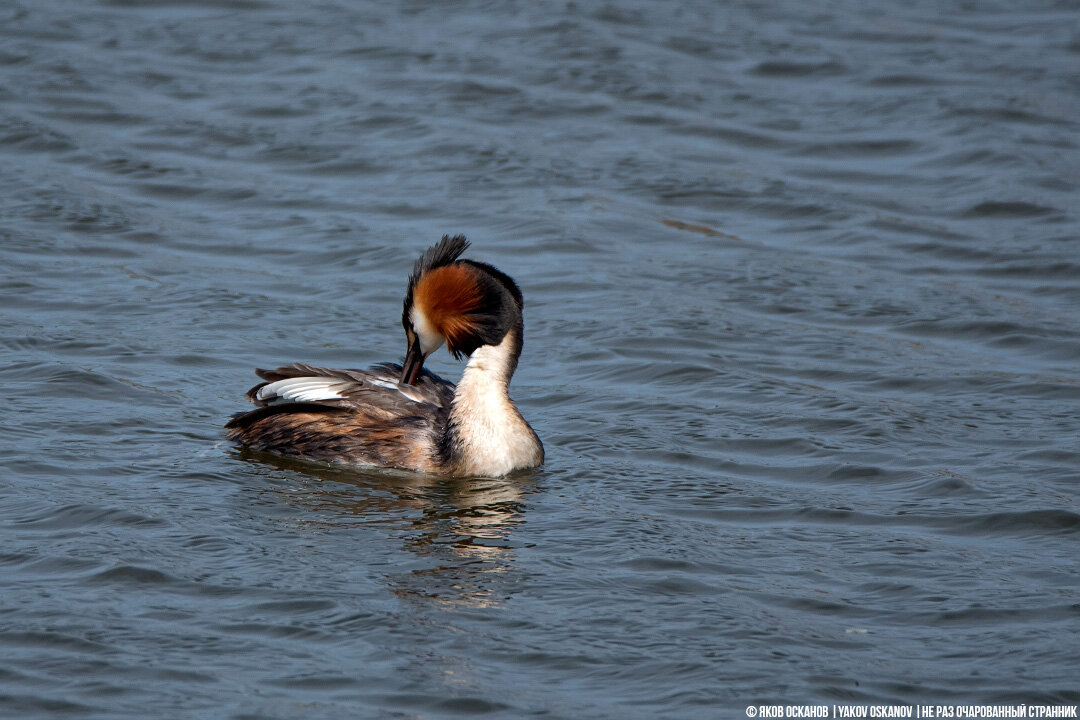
[{"x": 442, "y": 253}]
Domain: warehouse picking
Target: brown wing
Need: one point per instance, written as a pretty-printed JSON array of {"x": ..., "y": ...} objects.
[{"x": 358, "y": 417}]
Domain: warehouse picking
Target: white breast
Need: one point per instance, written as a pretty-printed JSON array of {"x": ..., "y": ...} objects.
[{"x": 495, "y": 438}]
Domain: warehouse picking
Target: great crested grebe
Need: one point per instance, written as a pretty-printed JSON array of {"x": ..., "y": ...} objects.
[{"x": 405, "y": 416}]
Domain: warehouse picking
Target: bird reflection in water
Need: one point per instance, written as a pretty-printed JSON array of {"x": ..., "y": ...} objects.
[{"x": 462, "y": 526}]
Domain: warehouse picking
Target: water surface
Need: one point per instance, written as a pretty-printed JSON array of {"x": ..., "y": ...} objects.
[{"x": 803, "y": 330}]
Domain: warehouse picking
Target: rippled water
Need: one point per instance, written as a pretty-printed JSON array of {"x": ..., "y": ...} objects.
[{"x": 803, "y": 330}]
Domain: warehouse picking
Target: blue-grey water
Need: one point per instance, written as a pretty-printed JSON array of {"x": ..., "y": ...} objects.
[{"x": 802, "y": 291}]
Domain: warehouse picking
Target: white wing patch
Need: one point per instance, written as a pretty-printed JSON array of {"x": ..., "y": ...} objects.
[
  {"x": 406, "y": 390},
  {"x": 314, "y": 389},
  {"x": 302, "y": 389}
]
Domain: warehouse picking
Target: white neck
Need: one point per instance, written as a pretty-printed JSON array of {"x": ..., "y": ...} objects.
[{"x": 488, "y": 435}]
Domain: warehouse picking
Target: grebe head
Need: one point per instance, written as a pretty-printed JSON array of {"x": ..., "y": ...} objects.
[{"x": 463, "y": 303}]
